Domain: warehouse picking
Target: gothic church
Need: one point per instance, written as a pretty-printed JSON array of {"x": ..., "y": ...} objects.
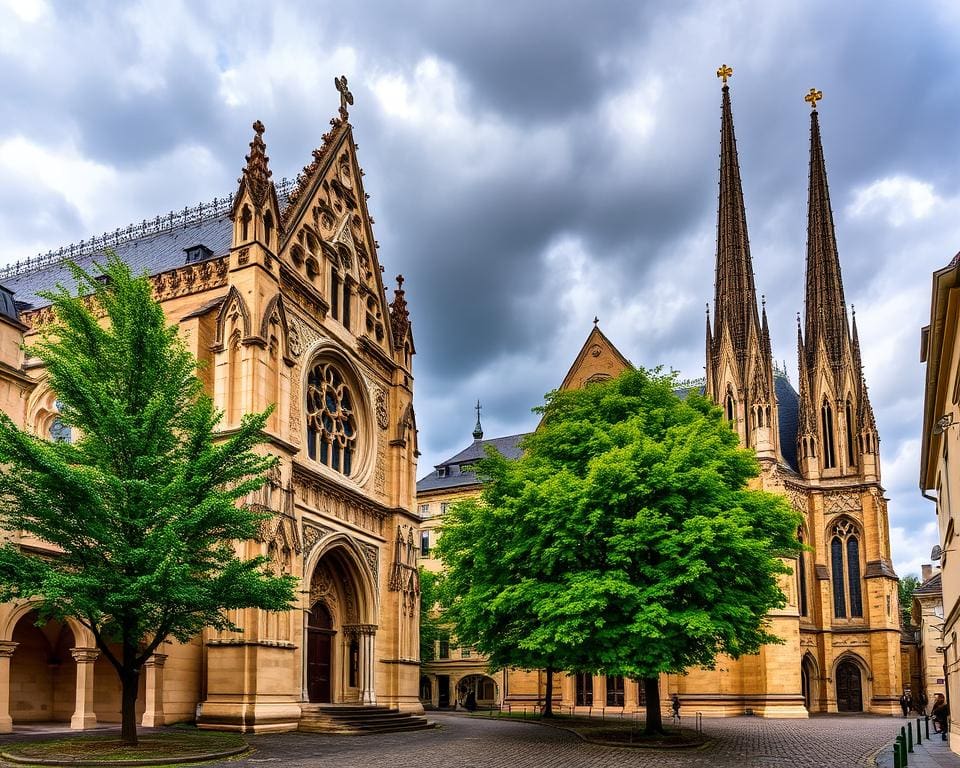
[
  {"x": 819, "y": 447},
  {"x": 277, "y": 289}
]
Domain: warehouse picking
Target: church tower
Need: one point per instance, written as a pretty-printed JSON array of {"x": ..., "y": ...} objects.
[
  {"x": 739, "y": 370},
  {"x": 837, "y": 435}
]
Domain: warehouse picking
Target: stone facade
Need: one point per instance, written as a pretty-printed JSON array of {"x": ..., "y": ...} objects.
[
  {"x": 939, "y": 465},
  {"x": 841, "y": 647},
  {"x": 278, "y": 292}
]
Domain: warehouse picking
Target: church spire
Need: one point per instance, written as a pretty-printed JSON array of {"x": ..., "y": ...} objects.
[
  {"x": 739, "y": 369},
  {"x": 839, "y": 420},
  {"x": 826, "y": 315},
  {"x": 735, "y": 297},
  {"x": 257, "y": 173}
]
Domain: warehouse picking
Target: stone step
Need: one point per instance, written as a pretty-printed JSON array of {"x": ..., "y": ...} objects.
[{"x": 358, "y": 719}]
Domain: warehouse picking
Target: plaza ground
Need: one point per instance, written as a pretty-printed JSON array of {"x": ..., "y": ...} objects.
[{"x": 474, "y": 742}]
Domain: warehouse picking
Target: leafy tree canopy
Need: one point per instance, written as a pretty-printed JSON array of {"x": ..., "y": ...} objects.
[
  {"x": 907, "y": 586},
  {"x": 625, "y": 540},
  {"x": 432, "y": 622},
  {"x": 143, "y": 504}
]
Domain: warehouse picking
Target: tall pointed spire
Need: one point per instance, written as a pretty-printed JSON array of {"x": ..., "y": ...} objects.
[
  {"x": 739, "y": 366},
  {"x": 735, "y": 296},
  {"x": 826, "y": 315}
]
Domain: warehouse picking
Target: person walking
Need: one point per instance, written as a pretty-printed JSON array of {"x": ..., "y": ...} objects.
[
  {"x": 922, "y": 703},
  {"x": 905, "y": 703},
  {"x": 940, "y": 712},
  {"x": 675, "y": 707}
]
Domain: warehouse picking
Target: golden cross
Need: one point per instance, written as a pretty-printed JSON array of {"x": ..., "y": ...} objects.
[
  {"x": 345, "y": 96},
  {"x": 813, "y": 97},
  {"x": 724, "y": 72}
]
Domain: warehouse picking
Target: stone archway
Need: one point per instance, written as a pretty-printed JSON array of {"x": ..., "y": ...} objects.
[
  {"x": 849, "y": 684},
  {"x": 810, "y": 683},
  {"x": 482, "y": 690},
  {"x": 340, "y": 627}
]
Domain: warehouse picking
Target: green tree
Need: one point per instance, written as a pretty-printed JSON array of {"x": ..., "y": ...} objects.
[
  {"x": 432, "y": 626},
  {"x": 143, "y": 506},
  {"x": 907, "y": 586},
  {"x": 624, "y": 541}
]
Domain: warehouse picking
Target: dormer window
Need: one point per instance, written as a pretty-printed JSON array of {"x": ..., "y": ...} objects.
[
  {"x": 198, "y": 252},
  {"x": 441, "y": 471}
]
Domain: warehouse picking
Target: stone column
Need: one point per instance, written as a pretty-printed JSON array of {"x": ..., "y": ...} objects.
[
  {"x": 305, "y": 692},
  {"x": 367, "y": 664},
  {"x": 7, "y": 647},
  {"x": 153, "y": 712},
  {"x": 83, "y": 715}
]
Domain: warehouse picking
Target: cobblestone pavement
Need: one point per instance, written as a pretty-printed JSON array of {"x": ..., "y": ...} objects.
[{"x": 461, "y": 742}]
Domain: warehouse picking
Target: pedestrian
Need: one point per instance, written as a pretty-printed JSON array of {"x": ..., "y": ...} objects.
[
  {"x": 905, "y": 703},
  {"x": 940, "y": 712},
  {"x": 675, "y": 707},
  {"x": 922, "y": 703}
]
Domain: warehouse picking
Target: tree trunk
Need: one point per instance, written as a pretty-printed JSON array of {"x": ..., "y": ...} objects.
[
  {"x": 548, "y": 706},
  {"x": 651, "y": 689},
  {"x": 130, "y": 682}
]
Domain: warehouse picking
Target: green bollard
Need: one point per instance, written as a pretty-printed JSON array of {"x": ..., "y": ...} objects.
[
  {"x": 904, "y": 760},
  {"x": 926, "y": 725},
  {"x": 909, "y": 737},
  {"x": 919, "y": 737},
  {"x": 896, "y": 754}
]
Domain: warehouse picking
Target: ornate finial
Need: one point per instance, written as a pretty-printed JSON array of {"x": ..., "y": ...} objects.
[
  {"x": 478, "y": 430},
  {"x": 813, "y": 97},
  {"x": 853, "y": 310},
  {"x": 257, "y": 172},
  {"x": 724, "y": 72},
  {"x": 399, "y": 314},
  {"x": 345, "y": 96},
  {"x": 399, "y": 282},
  {"x": 763, "y": 300},
  {"x": 798, "y": 319},
  {"x": 707, "y": 305},
  {"x": 596, "y": 321}
]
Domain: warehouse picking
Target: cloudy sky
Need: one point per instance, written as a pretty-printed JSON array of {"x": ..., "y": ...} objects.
[{"x": 530, "y": 165}]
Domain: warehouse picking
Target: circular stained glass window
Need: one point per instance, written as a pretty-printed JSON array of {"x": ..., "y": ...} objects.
[{"x": 331, "y": 422}]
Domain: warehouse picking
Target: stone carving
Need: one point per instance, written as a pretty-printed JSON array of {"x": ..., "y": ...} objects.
[
  {"x": 797, "y": 496},
  {"x": 336, "y": 503},
  {"x": 837, "y": 502},
  {"x": 404, "y": 576},
  {"x": 383, "y": 418},
  {"x": 312, "y": 534},
  {"x": 293, "y": 340},
  {"x": 372, "y": 555}
]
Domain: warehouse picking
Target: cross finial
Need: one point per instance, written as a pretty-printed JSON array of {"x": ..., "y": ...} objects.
[
  {"x": 399, "y": 282},
  {"x": 258, "y": 128},
  {"x": 813, "y": 97},
  {"x": 596, "y": 321},
  {"x": 724, "y": 72},
  {"x": 345, "y": 96},
  {"x": 478, "y": 429}
]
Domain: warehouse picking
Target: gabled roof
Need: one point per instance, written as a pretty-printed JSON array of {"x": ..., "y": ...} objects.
[
  {"x": 454, "y": 473},
  {"x": 597, "y": 356}
]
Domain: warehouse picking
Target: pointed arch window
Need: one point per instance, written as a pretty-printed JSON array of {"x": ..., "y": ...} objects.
[
  {"x": 826, "y": 424},
  {"x": 245, "y": 217},
  {"x": 268, "y": 229},
  {"x": 845, "y": 565},
  {"x": 851, "y": 429},
  {"x": 802, "y": 576},
  {"x": 730, "y": 407},
  {"x": 334, "y": 293}
]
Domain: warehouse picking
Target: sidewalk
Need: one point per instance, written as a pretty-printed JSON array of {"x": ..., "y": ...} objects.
[{"x": 932, "y": 753}]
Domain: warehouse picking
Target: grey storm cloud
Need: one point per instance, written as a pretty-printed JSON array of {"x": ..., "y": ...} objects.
[{"x": 529, "y": 168}]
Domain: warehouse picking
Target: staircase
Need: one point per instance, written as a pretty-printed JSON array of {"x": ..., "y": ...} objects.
[{"x": 358, "y": 719}]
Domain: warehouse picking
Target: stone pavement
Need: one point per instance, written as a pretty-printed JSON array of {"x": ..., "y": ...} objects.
[
  {"x": 462, "y": 742},
  {"x": 932, "y": 753},
  {"x": 833, "y": 741}
]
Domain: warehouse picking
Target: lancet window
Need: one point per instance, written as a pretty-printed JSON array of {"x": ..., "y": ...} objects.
[
  {"x": 845, "y": 565},
  {"x": 802, "y": 576},
  {"x": 331, "y": 421},
  {"x": 851, "y": 428},
  {"x": 826, "y": 423}
]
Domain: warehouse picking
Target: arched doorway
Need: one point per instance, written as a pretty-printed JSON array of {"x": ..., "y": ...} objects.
[
  {"x": 320, "y": 634},
  {"x": 480, "y": 689},
  {"x": 849, "y": 687},
  {"x": 43, "y": 673},
  {"x": 426, "y": 690},
  {"x": 340, "y": 626},
  {"x": 809, "y": 683}
]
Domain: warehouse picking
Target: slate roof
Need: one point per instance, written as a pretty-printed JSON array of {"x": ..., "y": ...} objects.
[
  {"x": 932, "y": 586},
  {"x": 787, "y": 401},
  {"x": 152, "y": 246},
  {"x": 153, "y": 254},
  {"x": 456, "y": 478}
]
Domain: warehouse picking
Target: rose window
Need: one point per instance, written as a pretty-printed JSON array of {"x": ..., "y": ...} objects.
[{"x": 331, "y": 424}]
